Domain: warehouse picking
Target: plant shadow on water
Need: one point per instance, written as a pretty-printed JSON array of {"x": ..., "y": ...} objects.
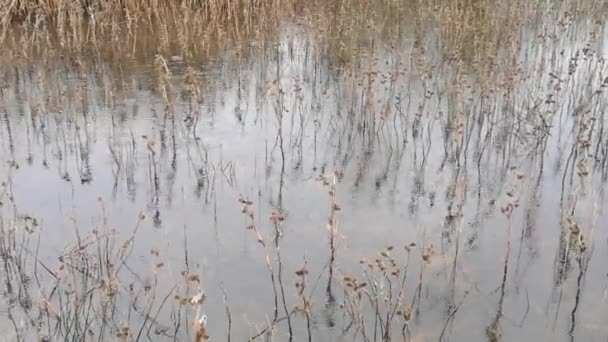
[{"x": 323, "y": 171}]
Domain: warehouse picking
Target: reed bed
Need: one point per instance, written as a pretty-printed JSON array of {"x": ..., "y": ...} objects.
[{"x": 347, "y": 96}]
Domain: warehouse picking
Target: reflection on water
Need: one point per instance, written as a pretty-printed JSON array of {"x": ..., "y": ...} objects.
[{"x": 293, "y": 182}]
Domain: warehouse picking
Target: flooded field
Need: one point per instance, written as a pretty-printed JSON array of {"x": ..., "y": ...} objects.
[{"x": 336, "y": 171}]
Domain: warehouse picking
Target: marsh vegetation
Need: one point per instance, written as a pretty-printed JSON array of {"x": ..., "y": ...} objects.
[{"x": 348, "y": 170}]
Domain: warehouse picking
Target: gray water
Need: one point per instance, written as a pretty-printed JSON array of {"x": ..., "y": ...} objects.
[{"x": 93, "y": 147}]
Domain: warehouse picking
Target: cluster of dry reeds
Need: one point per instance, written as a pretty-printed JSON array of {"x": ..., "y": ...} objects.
[
  {"x": 90, "y": 289},
  {"x": 193, "y": 29},
  {"x": 129, "y": 29}
]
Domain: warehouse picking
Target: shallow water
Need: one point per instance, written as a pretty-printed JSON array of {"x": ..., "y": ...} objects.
[{"x": 413, "y": 162}]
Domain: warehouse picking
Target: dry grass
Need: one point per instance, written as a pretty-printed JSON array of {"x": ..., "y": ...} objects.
[
  {"x": 131, "y": 29},
  {"x": 472, "y": 31}
]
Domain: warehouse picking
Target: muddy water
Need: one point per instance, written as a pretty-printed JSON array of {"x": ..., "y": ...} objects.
[{"x": 494, "y": 183}]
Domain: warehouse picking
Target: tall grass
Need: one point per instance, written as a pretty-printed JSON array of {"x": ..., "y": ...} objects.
[{"x": 194, "y": 29}]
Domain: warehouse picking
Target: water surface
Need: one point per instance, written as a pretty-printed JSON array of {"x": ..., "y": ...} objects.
[{"x": 485, "y": 165}]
